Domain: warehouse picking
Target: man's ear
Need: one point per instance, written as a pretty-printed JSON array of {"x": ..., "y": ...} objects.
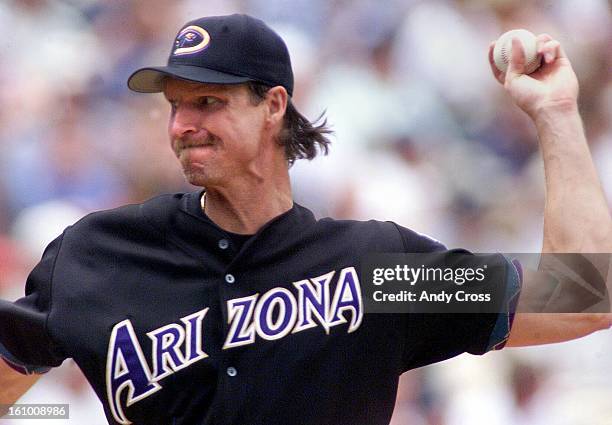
[{"x": 276, "y": 100}]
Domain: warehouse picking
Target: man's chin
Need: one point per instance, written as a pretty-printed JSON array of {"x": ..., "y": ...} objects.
[
  {"x": 195, "y": 179},
  {"x": 195, "y": 173},
  {"x": 198, "y": 177}
]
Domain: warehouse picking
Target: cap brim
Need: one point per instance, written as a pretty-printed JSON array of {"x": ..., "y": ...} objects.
[{"x": 150, "y": 80}]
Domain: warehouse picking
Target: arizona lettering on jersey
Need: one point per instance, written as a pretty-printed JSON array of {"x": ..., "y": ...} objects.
[{"x": 270, "y": 316}]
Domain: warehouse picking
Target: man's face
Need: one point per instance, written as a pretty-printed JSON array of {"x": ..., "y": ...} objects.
[{"x": 215, "y": 131}]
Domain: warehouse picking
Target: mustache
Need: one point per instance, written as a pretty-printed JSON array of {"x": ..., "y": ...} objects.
[{"x": 181, "y": 143}]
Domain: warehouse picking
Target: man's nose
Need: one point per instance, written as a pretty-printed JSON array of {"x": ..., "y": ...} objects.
[{"x": 184, "y": 121}]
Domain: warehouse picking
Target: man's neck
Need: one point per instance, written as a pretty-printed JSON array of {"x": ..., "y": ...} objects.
[{"x": 245, "y": 209}]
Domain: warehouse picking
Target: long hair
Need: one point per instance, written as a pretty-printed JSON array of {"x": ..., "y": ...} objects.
[{"x": 301, "y": 138}]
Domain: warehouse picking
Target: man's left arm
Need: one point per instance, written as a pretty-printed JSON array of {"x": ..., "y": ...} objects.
[
  {"x": 576, "y": 215},
  {"x": 13, "y": 384}
]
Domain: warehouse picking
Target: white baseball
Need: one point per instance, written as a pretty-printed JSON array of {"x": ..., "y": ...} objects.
[{"x": 503, "y": 50}]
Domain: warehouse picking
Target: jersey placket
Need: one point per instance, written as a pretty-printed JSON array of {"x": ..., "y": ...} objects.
[{"x": 230, "y": 288}]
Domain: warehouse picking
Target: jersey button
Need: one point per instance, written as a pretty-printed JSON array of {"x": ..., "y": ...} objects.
[
  {"x": 231, "y": 371},
  {"x": 229, "y": 278},
  {"x": 223, "y": 244}
]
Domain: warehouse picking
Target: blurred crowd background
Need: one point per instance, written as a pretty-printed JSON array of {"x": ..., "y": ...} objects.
[{"x": 424, "y": 136}]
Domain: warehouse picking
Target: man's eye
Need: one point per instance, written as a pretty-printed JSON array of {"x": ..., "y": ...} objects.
[{"x": 208, "y": 100}]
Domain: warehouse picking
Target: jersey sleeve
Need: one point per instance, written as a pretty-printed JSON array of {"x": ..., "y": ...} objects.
[
  {"x": 434, "y": 337},
  {"x": 25, "y": 344}
]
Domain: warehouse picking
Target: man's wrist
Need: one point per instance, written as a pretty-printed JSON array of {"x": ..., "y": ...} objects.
[{"x": 554, "y": 111}]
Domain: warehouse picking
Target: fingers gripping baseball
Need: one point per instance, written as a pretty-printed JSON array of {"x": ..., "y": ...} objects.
[
  {"x": 552, "y": 83},
  {"x": 550, "y": 50},
  {"x": 518, "y": 61}
]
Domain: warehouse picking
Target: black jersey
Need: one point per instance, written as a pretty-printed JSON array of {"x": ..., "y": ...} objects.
[{"x": 171, "y": 324}]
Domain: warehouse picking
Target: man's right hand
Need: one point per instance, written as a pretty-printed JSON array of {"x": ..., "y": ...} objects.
[{"x": 554, "y": 85}]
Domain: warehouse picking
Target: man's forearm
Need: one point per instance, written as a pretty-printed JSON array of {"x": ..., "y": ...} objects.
[
  {"x": 576, "y": 215},
  {"x": 13, "y": 384},
  {"x": 558, "y": 327},
  {"x": 576, "y": 220}
]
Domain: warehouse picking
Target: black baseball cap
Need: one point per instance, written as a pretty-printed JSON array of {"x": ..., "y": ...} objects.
[{"x": 228, "y": 49}]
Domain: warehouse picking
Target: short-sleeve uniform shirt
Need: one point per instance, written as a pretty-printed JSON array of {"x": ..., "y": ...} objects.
[{"x": 172, "y": 324}]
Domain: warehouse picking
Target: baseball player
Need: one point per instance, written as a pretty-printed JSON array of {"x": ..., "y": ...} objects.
[{"x": 233, "y": 304}]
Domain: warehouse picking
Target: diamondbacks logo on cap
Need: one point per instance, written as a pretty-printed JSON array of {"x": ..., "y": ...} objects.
[{"x": 191, "y": 39}]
